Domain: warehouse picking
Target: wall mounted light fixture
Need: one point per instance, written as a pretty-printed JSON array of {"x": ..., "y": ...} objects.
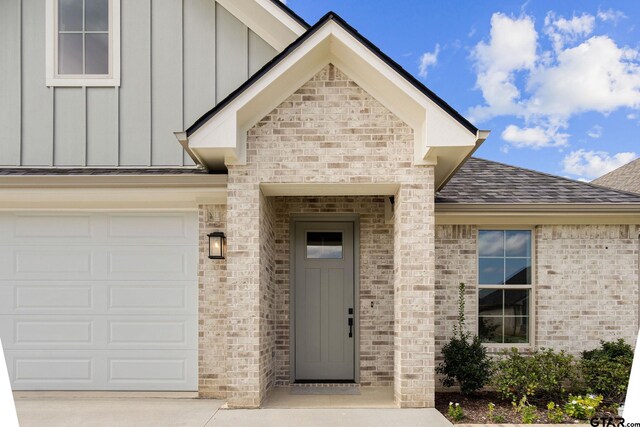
[{"x": 217, "y": 245}]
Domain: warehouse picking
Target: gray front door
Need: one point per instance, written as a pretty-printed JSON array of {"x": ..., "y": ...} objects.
[{"x": 324, "y": 295}]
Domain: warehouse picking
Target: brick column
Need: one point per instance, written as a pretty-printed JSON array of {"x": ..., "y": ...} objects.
[
  {"x": 414, "y": 278},
  {"x": 243, "y": 292}
]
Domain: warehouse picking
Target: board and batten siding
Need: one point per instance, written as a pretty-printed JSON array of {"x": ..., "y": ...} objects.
[{"x": 178, "y": 59}]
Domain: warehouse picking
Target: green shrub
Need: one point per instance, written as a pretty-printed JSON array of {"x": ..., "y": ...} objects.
[
  {"x": 606, "y": 370},
  {"x": 528, "y": 413},
  {"x": 491, "y": 415},
  {"x": 582, "y": 408},
  {"x": 455, "y": 411},
  {"x": 541, "y": 374},
  {"x": 465, "y": 358},
  {"x": 555, "y": 413}
]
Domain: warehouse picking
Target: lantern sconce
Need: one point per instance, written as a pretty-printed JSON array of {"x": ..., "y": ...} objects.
[{"x": 217, "y": 245}]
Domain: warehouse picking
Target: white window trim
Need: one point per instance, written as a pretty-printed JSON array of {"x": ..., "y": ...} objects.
[
  {"x": 51, "y": 30},
  {"x": 532, "y": 295}
]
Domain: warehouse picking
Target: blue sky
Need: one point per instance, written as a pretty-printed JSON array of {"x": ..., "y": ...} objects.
[{"x": 557, "y": 82}]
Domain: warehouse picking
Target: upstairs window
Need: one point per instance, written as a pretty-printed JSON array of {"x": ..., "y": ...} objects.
[{"x": 83, "y": 43}]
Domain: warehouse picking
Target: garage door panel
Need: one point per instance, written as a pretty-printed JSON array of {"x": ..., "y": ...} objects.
[
  {"x": 103, "y": 370},
  {"x": 46, "y": 332},
  {"x": 171, "y": 263},
  {"x": 98, "y": 263},
  {"x": 99, "y": 301},
  {"x": 98, "y": 297},
  {"x": 97, "y": 228},
  {"x": 46, "y": 369},
  {"x": 98, "y": 332},
  {"x": 153, "y": 297},
  {"x": 158, "y": 228},
  {"x": 60, "y": 297},
  {"x": 38, "y": 227}
]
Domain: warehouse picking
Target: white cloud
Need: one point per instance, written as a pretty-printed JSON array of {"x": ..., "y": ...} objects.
[
  {"x": 595, "y": 132},
  {"x": 534, "y": 137},
  {"x": 428, "y": 59},
  {"x": 611, "y": 15},
  {"x": 562, "y": 31},
  {"x": 596, "y": 75},
  {"x": 511, "y": 47},
  {"x": 583, "y": 73},
  {"x": 592, "y": 164}
]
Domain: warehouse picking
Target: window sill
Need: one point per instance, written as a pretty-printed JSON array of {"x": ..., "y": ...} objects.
[
  {"x": 497, "y": 348},
  {"x": 82, "y": 82}
]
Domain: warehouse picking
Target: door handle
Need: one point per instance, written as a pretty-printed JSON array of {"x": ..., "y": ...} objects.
[{"x": 350, "y": 321}]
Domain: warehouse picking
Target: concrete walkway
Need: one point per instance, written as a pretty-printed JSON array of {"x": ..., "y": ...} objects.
[{"x": 170, "y": 412}]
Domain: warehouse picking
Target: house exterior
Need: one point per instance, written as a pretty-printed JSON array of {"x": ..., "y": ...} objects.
[
  {"x": 625, "y": 178},
  {"x": 347, "y": 191}
]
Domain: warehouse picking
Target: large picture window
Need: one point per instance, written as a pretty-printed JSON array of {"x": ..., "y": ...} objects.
[
  {"x": 504, "y": 286},
  {"x": 83, "y": 43}
]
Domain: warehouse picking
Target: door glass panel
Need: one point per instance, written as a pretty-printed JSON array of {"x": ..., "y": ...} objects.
[{"x": 324, "y": 245}]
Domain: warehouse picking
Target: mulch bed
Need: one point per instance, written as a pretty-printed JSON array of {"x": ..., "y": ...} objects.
[{"x": 476, "y": 409}]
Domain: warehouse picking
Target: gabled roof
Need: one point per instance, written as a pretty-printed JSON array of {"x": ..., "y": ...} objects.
[
  {"x": 332, "y": 16},
  {"x": 442, "y": 136},
  {"x": 625, "y": 178},
  {"x": 481, "y": 181}
]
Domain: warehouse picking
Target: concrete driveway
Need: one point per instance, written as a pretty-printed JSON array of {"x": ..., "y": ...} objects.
[{"x": 171, "y": 412}]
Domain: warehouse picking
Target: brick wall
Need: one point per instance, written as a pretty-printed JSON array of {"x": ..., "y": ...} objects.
[
  {"x": 212, "y": 281},
  {"x": 455, "y": 263},
  {"x": 585, "y": 286},
  {"x": 414, "y": 302},
  {"x": 267, "y": 293}
]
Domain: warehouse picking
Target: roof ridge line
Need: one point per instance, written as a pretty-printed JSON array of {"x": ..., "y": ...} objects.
[
  {"x": 599, "y": 187},
  {"x": 331, "y": 15}
]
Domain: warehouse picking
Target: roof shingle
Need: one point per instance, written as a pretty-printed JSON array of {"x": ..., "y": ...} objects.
[
  {"x": 625, "y": 178},
  {"x": 481, "y": 181}
]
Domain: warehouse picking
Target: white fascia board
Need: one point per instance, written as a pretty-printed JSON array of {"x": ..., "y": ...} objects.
[
  {"x": 267, "y": 20},
  {"x": 187, "y": 198},
  {"x": 433, "y": 127}
]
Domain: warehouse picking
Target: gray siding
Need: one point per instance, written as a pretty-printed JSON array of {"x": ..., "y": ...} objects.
[{"x": 178, "y": 58}]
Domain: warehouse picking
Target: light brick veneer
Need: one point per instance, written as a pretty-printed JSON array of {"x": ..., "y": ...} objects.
[
  {"x": 414, "y": 278},
  {"x": 329, "y": 131},
  {"x": 587, "y": 285},
  {"x": 455, "y": 263},
  {"x": 376, "y": 282},
  {"x": 212, "y": 316},
  {"x": 585, "y": 288}
]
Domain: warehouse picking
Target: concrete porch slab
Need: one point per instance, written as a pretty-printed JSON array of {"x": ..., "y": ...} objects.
[
  {"x": 329, "y": 417},
  {"x": 369, "y": 397}
]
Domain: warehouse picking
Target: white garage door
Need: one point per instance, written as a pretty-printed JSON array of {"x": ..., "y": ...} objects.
[{"x": 99, "y": 301}]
